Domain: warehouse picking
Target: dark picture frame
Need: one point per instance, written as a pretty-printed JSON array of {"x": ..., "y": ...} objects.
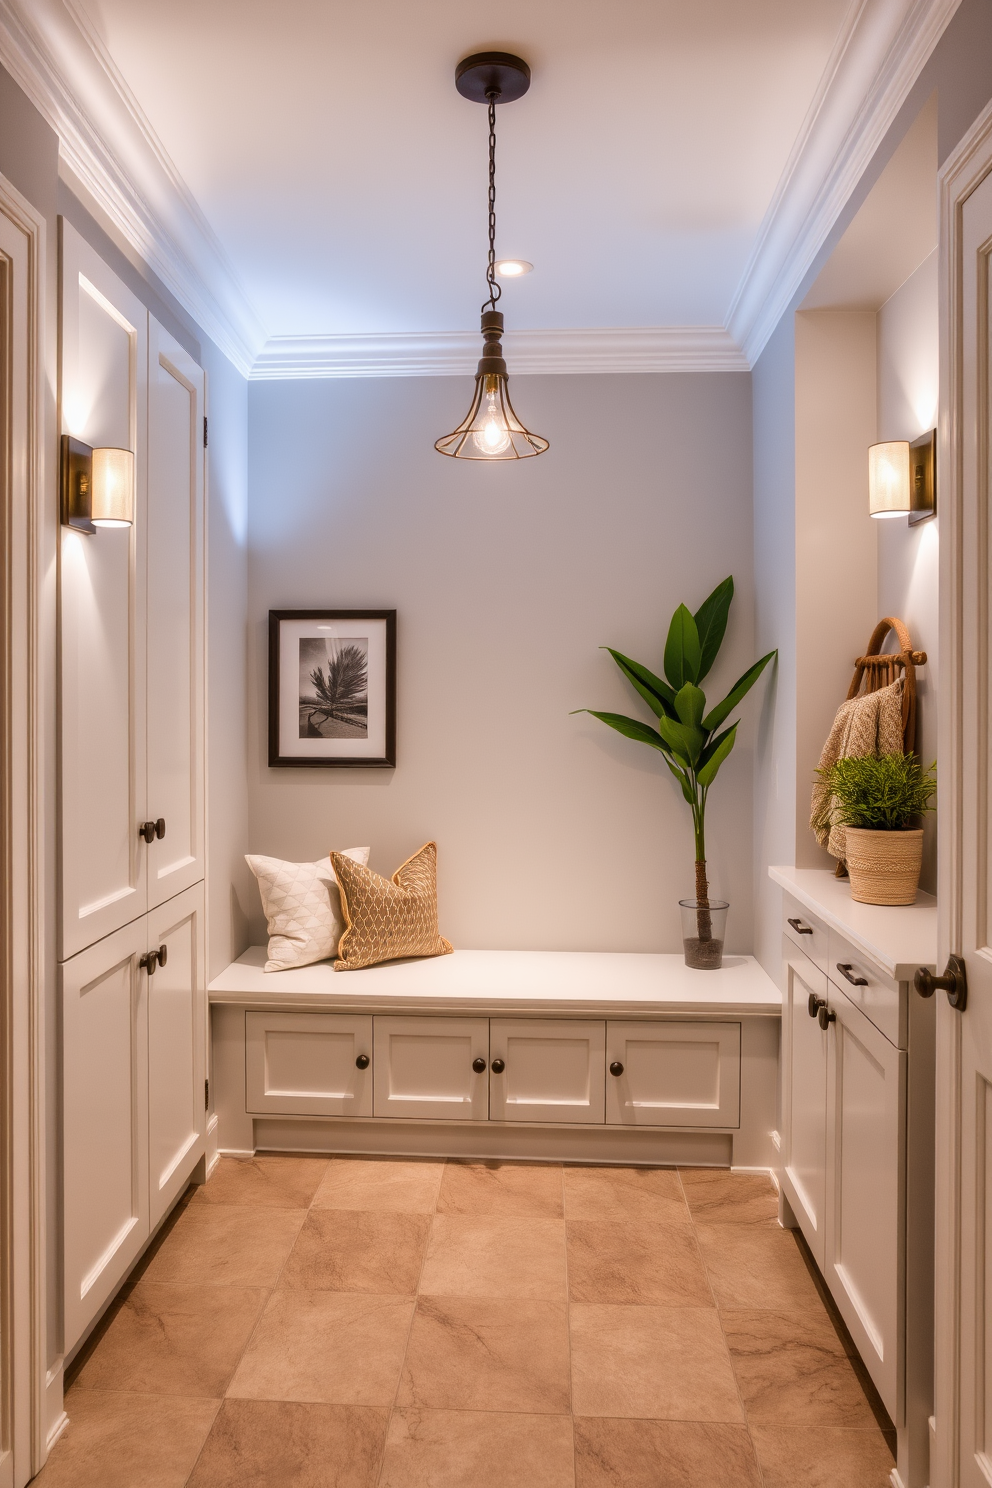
[{"x": 332, "y": 689}]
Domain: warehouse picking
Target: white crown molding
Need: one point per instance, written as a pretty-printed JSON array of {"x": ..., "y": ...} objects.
[
  {"x": 880, "y": 52},
  {"x": 456, "y": 353},
  {"x": 52, "y": 51}
]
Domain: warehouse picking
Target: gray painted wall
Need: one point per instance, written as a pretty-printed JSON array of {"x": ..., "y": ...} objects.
[{"x": 553, "y": 832}]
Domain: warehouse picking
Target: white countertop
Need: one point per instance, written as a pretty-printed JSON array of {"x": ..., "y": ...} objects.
[
  {"x": 898, "y": 938},
  {"x": 592, "y": 982}
]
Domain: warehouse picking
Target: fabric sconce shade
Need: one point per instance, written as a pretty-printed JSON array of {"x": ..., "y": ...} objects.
[
  {"x": 888, "y": 479},
  {"x": 112, "y": 488}
]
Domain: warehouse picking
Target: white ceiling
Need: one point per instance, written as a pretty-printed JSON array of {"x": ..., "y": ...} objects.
[{"x": 325, "y": 144}]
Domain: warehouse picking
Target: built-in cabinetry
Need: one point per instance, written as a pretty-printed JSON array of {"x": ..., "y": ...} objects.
[
  {"x": 131, "y": 819},
  {"x": 501, "y": 1042},
  {"x": 857, "y": 1130}
]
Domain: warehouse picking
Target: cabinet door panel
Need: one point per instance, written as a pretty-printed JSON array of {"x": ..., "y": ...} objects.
[
  {"x": 423, "y": 1068},
  {"x": 103, "y": 362},
  {"x": 864, "y": 1262},
  {"x": 176, "y": 1044},
  {"x": 555, "y": 1070},
  {"x": 674, "y": 1074},
  {"x": 804, "y": 1099},
  {"x": 175, "y": 616},
  {"x": 305, "y": 1063},
  {"x": 104, "y": 1134}
]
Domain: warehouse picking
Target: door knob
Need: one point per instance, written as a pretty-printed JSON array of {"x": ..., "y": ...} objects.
[
  {"x": 954, "y": 982},
  {"x": 160, "y": 828},
  {"x": 497, "y": 1066},
  {"x": 616, "y": 1068},
  {"x": 826, "y": 1017},
  {"x": 814, "y": 1004},
  {"x": 479, "y": 1065},
  {"x": 149, "y": 961},
  {"x": 362, "y": 1062},
  {"x": 163, "y": 954},
  {"x": 152, "y": 829}
]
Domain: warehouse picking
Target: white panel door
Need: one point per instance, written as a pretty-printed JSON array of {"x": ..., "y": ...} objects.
[
  {"x": 103, "y": 366},
  {"x": 175, "y": 616},
  {"x": 309, "y": 1064},
  {"x": 866, "y": 1167},
  {"x": 674, "y": 1074},
  {"x": 104, "y": 1121},
  {"x": 176, "y": 1048},
  {"x": 804, "y": 1098},
  {"x": 431, "y": 1068},
  {"x": 547, "y": 1070}
]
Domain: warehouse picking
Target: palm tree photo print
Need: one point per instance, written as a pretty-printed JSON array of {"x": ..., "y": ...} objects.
[{"x": 334, "y": 687}]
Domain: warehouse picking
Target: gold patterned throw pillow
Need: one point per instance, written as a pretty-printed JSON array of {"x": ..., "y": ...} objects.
[{"x": 388, "y": 918}]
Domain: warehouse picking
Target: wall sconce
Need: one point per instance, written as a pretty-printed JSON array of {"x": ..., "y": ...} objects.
[
  {"x": 97, "y": 486},
  {"x": 901, "y": 478}
]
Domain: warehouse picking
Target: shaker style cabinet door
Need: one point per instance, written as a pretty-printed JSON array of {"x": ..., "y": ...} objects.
[
  {"x": 174, "y": 587},
  {"x": 176, "y": 998},
  {"x": 308, "y": 1064},
  {"x": 865, "y": 1161},
  {"x": 104, "y": 1121},
  {"x": 103, "y": 362},
  {"x": 804, "y": 1098},
  {"x": 674, "y": 1074},
  {"x": 432, "y": 1069},
  {"x": 547, "y": 1070}
]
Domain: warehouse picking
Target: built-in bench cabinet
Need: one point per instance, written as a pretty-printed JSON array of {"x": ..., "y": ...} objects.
[
  {"x": 679, "y": 1065},
  {"x": 857, "y": 1133},
  {"x": 496, "y": 1069}
]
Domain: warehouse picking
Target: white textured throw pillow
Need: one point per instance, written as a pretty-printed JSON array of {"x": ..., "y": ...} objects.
[{"x": 302, "y": 904}]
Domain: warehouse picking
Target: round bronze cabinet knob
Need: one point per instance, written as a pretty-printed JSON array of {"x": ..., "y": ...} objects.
[
  {"x": 814, "y": 1004},
  {"x": 616, "y": 1068},
  {"x": 497, "y": 1066},
  {"x": 479, "y": 1065},
  {"x": 362, "y": 1062},
  {"x": 826, "y": 1017}
]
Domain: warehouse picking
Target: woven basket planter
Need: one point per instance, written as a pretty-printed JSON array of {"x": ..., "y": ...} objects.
[{"x": 884, "y": 867}]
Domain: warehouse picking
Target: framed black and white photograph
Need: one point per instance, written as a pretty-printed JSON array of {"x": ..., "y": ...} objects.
[{"x": 332, "y": 687}]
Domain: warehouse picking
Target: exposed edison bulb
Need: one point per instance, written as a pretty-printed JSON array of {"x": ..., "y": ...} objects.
[{"x": 493, "y": 437}]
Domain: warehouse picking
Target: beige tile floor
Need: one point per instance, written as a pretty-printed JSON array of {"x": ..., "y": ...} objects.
[{"x": 343, "y": 1323}]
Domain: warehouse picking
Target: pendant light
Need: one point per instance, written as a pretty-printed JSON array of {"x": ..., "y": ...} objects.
[{"x": 491, "y": 430}]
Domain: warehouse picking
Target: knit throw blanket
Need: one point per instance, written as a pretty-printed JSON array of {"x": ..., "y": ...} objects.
[{"x": 870, "y": 723}]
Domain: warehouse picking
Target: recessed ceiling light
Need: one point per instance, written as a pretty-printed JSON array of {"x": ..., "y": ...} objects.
[{"x": 512, "y": 268}]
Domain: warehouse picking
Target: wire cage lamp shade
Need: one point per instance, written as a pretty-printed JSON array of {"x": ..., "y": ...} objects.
[{"x": 491, "y": 430}]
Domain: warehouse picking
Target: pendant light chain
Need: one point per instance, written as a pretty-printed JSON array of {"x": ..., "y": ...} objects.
[{"x": 495, "y": 290}]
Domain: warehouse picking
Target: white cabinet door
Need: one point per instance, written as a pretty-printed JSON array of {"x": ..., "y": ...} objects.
[
  {"x": 804, "y": 1099},
  {"x": 176, "y": 998},
  {"x": 175, "y": 616},
  {"x": 104, "y": 1121},
  {"x": 426, "y": 1068},
  {"x": 865, "y": 1162},
  {"x": 103, "y": 361},
  {"x": 674, "y": 1074},
  {"x": 552, "y": 1070},
  {"x": 309, "y": 1064}
]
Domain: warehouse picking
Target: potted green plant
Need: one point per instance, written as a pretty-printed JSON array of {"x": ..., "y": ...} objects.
[
  {"x": 879, "y": 799},
  {"x": 692, "y": 742}
]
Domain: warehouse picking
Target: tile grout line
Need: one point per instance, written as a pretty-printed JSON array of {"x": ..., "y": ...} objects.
[{"x": 413, "y": 1315}]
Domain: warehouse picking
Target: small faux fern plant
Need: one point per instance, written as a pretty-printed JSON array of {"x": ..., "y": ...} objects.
[{"x": 880, "y": 793}]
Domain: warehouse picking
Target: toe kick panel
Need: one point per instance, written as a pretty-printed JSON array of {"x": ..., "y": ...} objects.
[{"x": 674, "y": 1074}]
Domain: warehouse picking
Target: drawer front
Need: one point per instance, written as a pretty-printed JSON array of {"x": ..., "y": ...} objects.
[
  {"x": 863, "y": 984},
  {"x": 806, "y": 932},
  {"x": 554, "y": 1070},
  {"x": 674, "y": 1074},
  {"x": 306, "y": 1064},
  {"x": 424, "y": 1068},
  {"x": 865, "y": 1159},
  {"x": 804, "y": 1098}
]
